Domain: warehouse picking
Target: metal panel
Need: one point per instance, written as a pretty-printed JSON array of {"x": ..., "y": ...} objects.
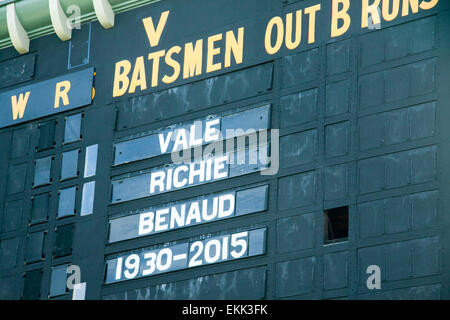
[
  {"x": 359, "y": 127},
  {"x": 32, "y": 285},
  {"x": 43, "y": 98},
  {"x": 17, "y": 70}
]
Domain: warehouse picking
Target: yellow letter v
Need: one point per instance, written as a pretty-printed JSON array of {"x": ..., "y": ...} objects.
[{"x": 152, "y": 34}]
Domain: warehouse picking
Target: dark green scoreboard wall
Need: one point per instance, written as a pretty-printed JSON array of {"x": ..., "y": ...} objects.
[{"x": 363, "y": 123}]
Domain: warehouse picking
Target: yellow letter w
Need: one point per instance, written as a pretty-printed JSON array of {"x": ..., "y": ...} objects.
[{"x": 18, "y": 107}]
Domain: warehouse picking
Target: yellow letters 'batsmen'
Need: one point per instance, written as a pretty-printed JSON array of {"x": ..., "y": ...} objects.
[
  {"x": 62, "y": 89},
  {"x": 138, "y": 79},
  {"x": 237, "y": 46},
  {"x": 193, "y": 59},
  {"x": 172, "y": 63},
  {"x": 155, "y": 56},
  {"x": 121, "y": 80},
  {"x": 18, "y": 106},
  {"x": 213, "y": 51}
]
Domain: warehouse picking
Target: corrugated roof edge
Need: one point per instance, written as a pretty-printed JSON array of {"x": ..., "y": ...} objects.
[{"x": 47, "y": 27}]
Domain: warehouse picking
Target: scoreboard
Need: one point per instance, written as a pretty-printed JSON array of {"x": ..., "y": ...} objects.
[{"x": 257, "y": 149}]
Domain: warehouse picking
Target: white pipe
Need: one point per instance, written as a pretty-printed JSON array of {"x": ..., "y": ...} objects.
[
  {"x": 104, "y": 12},
  {"x": 17, "y": 33},
  {"x": 60, "y": 22}
]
